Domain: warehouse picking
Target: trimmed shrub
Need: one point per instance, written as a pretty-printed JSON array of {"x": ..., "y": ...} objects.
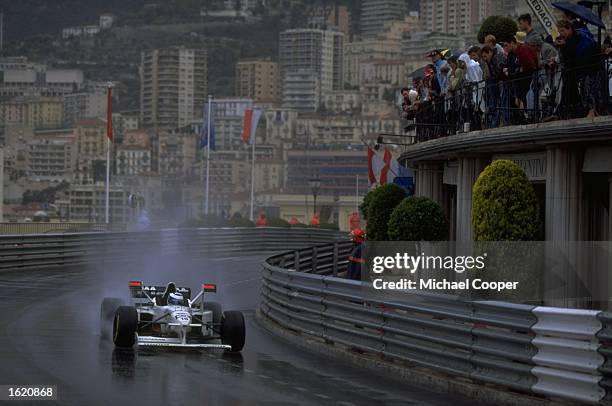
[
  {"x": 380, "y": 206},
  {"x": 418, "y": 219},
  {"x": 363, "y": 207},
  {"x": 240, "y": 222},
  {"x": 278, "y": 222},
  {"x": 502, "y": 27},
  {"x": 504, "y": 205}
]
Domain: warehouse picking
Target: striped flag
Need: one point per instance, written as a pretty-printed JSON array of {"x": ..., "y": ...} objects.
[
  {"x": 375, "y": 166},
  {"x": 251, "y": 119}
]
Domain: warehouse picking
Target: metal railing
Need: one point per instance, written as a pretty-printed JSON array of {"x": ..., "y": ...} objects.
[
  {"x": 43, "y": 227},
  {"x": 541, "y": 351},
  {"x": 548, "y": 93},
  {"x": 71, "y": 249}
]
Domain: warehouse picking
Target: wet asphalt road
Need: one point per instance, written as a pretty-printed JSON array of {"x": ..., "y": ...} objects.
[{"x": 50, "y": 334}]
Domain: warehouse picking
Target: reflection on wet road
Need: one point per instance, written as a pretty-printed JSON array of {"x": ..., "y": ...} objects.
[{"x": 50, "y": 334}]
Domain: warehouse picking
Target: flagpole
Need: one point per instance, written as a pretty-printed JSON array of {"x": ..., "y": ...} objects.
[
  {"x": 357, "y": 193},
  {"x": 108, "y": 148},
  {"x": 207, "y": 157},
  {"x": 253, "y": 175}
]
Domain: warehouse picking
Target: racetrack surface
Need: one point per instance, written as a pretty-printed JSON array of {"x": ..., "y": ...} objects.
[{"x": 50, "y": 334}]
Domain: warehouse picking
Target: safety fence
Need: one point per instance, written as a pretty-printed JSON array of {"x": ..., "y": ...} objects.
[
  {"x": 70, "y": 249},
  {"x": 44, "y": 228},
  {"x": 546, "y": 352}
]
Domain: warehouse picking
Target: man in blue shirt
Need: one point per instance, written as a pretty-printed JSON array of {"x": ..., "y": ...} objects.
[{"x": 356, "y": 257}]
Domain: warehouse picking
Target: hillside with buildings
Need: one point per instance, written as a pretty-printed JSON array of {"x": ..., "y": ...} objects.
[{"x": 327, "y": 74}]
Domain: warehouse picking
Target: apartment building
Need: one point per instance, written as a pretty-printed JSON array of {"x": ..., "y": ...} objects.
[
  {"x": 258, "y": 79},
  {"x": 316, "y": 50},
  {"x": 173, "y": 86}
]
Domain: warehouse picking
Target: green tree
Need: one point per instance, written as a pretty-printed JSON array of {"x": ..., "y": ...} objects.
[
  {"x": 418, "y": 219},
  {"x": 501, "y": 27},
  {"x": 363, "y": 207},
  {"x": 505, "y": 206},
  {"x": 382, "y": 202}
]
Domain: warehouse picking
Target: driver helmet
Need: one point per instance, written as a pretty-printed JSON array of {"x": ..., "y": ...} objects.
[{"x": 175, "y": 299}]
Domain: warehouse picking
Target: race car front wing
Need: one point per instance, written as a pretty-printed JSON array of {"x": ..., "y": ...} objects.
[{"x": 149, "y": 341}]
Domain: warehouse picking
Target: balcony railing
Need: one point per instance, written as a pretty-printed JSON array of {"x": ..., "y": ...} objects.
[{"x": 548, "y": 94}]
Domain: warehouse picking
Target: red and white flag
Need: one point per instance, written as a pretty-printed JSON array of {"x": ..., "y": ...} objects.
[
  {"x": 375, "y": 167},
  {"x": 251, "y": 119}
]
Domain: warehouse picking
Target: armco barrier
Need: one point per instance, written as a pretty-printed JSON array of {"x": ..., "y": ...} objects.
[
  {"x": 70, "y": 249},
  {"x": 548, "y": 353}
]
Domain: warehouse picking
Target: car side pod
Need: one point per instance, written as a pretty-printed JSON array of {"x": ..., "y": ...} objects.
[
  {"x": 125, "y": 325},
  {"x": 233, "y": 331}
]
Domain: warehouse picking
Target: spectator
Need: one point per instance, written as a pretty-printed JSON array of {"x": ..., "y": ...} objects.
[
  {"x": 472, "y": 78},
  {"x": 356, "y": 260},
  {"x": 453, "y": 101},
  {"x": 522, "y": 73},
  {"x": 492, "y": 83},
  {"x": 580, "y": 60},
  {"x": 475, "y": 55},
  {"x": 439, "y": 87},
  {"x": 524, "y": 24},
  {"x": 548, "y": 77}
]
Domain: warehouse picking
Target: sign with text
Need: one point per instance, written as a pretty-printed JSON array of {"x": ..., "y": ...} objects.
[{"x": 534, "y": 164}]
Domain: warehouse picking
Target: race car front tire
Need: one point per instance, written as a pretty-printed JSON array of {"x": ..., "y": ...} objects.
[
  {"x": 125, "y": 325},
  {"x": 217, "y": 312},
  {"x": 233, "y": 330},
  {"x": 107, "y": 311}
]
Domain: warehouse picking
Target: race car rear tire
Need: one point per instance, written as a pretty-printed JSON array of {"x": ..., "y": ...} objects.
[
  {"x": 216, "y": 311},
  {"x": 232, "y": 330},
  {"x": 107, "y": 312},
  {"x": 125, "y": 325}
]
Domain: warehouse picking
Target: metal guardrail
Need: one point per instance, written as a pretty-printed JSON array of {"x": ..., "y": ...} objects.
[
  {"x": 541, "y": 351},
  {"x": 44, "y": 228},
  {"x": 71, "y": 249}
]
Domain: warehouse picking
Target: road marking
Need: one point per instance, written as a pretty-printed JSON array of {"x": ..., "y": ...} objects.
[
  {"x": 346, "y": 403},
  {"x": 263, "y": 376},
  {"x": 300, "y": 389},
  {"x": 322, "y": 396},
  {"x": 281, "y": 382},
  {"x": 250, "y": 371}
]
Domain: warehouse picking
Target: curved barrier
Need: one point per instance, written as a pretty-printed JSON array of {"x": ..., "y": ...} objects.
[
  {"x": 546, "y": 352},
  {"x": 70, "y": 249}
]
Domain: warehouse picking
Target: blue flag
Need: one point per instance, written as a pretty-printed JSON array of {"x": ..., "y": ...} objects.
[{"x": 204, "y": 128}]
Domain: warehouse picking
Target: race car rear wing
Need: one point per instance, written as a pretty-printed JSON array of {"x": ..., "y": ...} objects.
[{"x": 146, "y": 294}]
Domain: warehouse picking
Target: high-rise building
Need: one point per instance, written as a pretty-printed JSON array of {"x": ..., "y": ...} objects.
[
  {"x": 331, "y": 16},
  {"x": 375, "y": 13},
  {"x": 319, "y": 51},
  {"x": 455, "y": 17},
  {"x": 173, "y": 86},
  {"x": 258, "y": 79},
  {"x": 301, "y": 90},
  {"x": 51, "y": 155}
]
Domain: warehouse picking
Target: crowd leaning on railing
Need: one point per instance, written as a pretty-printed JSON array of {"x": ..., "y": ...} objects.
[{"x": 521, "y": 79}]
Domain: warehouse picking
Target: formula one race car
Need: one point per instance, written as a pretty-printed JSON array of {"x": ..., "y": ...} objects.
[{"x": 168, "y": 317}]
